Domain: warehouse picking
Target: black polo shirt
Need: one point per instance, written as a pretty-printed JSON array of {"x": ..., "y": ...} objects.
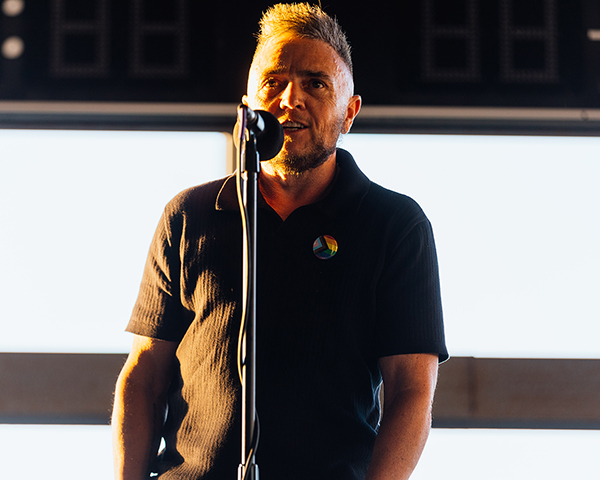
[{"x": 341, "y": 283}]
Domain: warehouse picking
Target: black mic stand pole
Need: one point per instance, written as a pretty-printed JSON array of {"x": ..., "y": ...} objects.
[{"x": 247, "y": 179}]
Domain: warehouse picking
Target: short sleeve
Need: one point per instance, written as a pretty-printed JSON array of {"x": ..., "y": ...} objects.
[
  {"x": 158, "y": 312},
  {"x": 409, "y": 307}
]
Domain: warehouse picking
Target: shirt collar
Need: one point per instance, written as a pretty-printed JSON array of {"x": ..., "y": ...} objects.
[
  {"x": 346, "y": 194},
  {"x": 349, "y": 189},
  {"x": 227, "y": 198}
]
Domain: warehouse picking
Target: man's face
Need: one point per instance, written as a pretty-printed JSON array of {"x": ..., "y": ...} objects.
[{"x": 307, "y": 86}]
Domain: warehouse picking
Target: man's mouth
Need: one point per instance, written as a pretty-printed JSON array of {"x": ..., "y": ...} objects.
[{"x": 290, "y": 126}]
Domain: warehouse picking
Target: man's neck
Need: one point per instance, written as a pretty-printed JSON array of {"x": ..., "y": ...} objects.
[{"x": 286, "y": 192}]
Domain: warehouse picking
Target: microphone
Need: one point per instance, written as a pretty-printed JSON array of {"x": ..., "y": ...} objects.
[{"x": 265, "y": 127}]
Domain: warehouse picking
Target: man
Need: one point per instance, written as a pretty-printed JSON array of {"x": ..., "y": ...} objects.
[{"x": 332, "y": 321}]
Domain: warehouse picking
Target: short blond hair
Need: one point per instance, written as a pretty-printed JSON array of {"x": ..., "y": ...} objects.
[{"x": 305, "y": 21}]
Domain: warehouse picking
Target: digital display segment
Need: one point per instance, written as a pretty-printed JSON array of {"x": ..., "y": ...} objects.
[
  {"x": 523, "y": 53},
  {"x": 79, "y": 39},
  {"x": 529, "y": 41},
  {"x": 450, "y": 47}
]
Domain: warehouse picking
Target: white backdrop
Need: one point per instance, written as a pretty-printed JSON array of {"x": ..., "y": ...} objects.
[
  {"x": 517, "y": 228},
  {"x": 78, "y": 213}
]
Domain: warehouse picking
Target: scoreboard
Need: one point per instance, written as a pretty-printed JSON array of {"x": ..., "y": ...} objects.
[{"x": 462, "y": 53}]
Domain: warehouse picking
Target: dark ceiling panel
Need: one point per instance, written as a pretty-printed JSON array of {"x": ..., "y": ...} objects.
[{"x": 486, "y": 53}]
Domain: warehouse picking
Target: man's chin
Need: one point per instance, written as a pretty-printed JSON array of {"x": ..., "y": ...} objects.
[{"x": 299, "y": 163}]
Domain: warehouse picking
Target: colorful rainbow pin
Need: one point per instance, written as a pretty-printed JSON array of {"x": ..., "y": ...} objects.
[{"x": 325, "y": 247}]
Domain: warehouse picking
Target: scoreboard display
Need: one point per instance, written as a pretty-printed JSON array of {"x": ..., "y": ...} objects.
[{"x": 480, "y": 53}]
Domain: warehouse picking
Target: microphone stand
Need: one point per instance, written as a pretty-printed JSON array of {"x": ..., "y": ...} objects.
[{"x": 248, "y": 168}]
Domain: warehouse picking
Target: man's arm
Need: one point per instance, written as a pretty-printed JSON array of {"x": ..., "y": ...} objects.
[
  {"x": 409, "y": 384},
  {"x": 139, "y": 406}
]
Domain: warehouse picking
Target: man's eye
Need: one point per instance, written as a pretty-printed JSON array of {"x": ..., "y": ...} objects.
[
  {"x": 271, "y": 83},
  {"x": 317, "y": 84}
]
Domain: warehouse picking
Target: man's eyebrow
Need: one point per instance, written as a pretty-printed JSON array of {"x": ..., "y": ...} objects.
[{"x": 303, "y": 73}]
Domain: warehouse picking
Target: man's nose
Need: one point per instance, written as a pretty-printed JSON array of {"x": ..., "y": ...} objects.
[{"x": 292, "y": 97}]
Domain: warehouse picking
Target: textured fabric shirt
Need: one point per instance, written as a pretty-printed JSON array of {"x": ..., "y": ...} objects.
[{"x": 324, "y": 318}]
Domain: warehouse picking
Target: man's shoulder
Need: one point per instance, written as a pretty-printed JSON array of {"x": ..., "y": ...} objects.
[
  {"x": 392, "y": 203},
  {"x": 376, "y": 197},
  {"x": 196, "y": 198}
]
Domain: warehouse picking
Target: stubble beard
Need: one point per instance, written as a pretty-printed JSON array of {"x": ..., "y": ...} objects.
[
  {"x": 313, "y": 157},
  {"x": 297, "y": 164}
]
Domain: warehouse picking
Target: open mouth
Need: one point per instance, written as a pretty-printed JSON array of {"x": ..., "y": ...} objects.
[{"x": 289, "y": 126}]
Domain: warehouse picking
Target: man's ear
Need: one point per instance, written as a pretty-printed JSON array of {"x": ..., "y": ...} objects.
[
  {"x": 354, "y": 104},
  {"x": 245, "y": 100}
]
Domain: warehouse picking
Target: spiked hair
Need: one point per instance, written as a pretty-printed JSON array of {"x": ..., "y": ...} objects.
[{"x": 305, "y": 21}]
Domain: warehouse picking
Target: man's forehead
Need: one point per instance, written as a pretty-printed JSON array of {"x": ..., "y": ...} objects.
[{"x": 307, "y": 57}]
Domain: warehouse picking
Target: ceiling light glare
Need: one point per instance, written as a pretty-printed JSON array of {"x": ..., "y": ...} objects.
[
  {"x": 12, "y": 47},
  {"x": 12, "y": 8}
]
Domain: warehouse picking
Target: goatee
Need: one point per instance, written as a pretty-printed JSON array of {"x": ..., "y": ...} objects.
[
  {"x": 314, "y": 156},
  {"x": 297, "y": 164}
]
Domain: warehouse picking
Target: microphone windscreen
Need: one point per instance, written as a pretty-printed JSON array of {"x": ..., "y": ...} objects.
[{"x": 270, "y": 140}]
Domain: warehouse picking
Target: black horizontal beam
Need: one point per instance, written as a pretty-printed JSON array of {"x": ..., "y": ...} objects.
[
  {"x": 46, "y": 388},
  {"x": 372, "y": 119},
  {"x": 518, "y": 393},
  {"x": 39, "y": 388}
]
